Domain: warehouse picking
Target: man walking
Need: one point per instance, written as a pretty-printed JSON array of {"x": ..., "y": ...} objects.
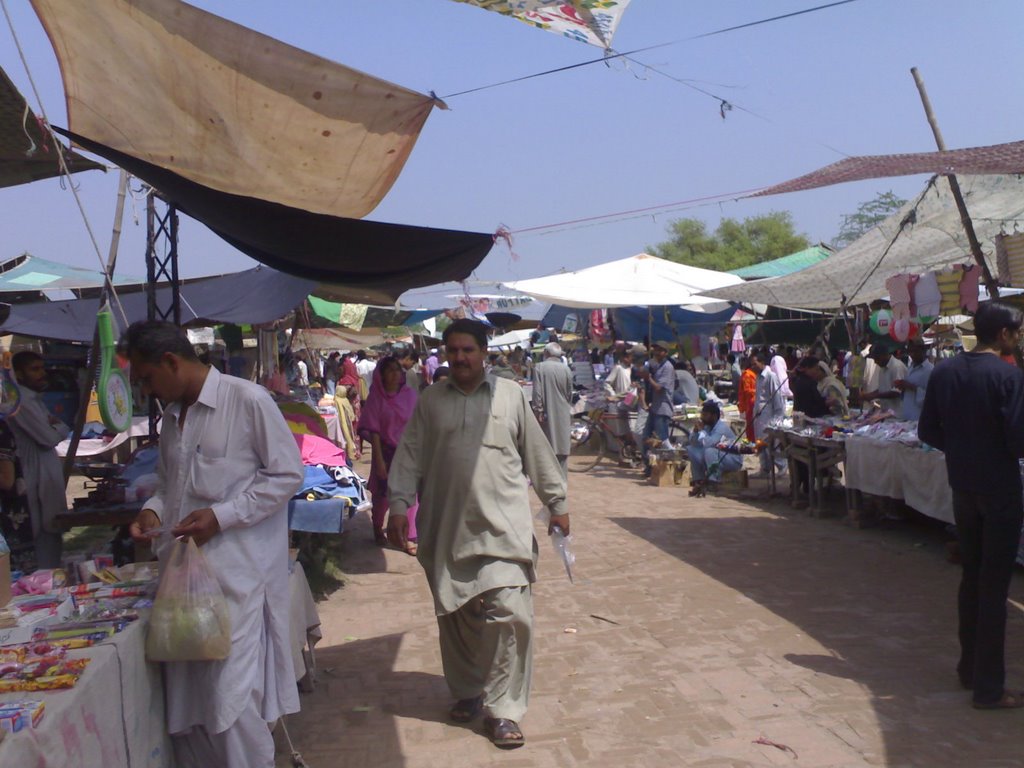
[
  {"x": 769, "y": 406},
  {"x": 552, "y": 402},
  {"x": 974, "y": 412},
  {"x": 228, "y": 465},
  {"x": 467, "y": 452},
  {"x": 36, "y": 434},
  {"x": 660, "y": 376}
]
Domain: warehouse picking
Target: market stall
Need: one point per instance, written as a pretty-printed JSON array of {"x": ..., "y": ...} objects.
[{"x": 113, "y": 715}]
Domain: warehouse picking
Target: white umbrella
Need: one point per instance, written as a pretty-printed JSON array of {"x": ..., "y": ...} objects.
[{"x": 638, "y": 281}]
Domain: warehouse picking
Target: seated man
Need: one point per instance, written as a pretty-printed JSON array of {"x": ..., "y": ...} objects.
[{"x": 707, "y": 460}]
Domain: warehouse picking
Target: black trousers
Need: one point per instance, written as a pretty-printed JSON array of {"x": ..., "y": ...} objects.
[{"x": 989, "y": 531}]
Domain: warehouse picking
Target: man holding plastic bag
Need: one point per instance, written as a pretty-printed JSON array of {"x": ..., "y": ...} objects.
[{"x": 228, "y": 465}]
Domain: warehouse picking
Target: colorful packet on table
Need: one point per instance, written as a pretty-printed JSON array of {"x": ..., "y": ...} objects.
[{"x": 19, "y": 714}]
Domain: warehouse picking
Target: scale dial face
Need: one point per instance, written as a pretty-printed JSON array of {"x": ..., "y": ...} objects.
[{"x": 117, "y": 403}]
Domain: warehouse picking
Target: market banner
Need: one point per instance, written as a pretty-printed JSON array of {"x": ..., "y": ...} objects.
[{"x": 588, "y": 21}]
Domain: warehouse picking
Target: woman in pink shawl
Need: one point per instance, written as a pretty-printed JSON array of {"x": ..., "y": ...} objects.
[{"x": 386, "y": 412}]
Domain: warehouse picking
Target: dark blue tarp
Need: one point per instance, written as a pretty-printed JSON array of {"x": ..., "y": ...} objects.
[
  {"x": 667, "y": 323},
  {"x": 259, "y": 295}
]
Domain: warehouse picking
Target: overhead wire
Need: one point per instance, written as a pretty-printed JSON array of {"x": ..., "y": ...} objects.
[
  {"x": 65, "y": 171},
  {"x": 609, "y": 54}
]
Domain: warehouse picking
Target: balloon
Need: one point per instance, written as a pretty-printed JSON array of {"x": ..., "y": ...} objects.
[
  {"x": 900, "y": 330},
  {"x": 915, "y": 330},
  {"x": 880, "y": 321}
]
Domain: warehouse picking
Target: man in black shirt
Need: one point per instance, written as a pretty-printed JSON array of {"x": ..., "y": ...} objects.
[
  {"x": 974, "y": 412},
  {"x": 806, "y": 397}
]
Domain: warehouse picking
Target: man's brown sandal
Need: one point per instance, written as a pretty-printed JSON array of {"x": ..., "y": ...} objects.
[
  {"x": 504, "y": 734},
  {"x": 466, "y": 710}
]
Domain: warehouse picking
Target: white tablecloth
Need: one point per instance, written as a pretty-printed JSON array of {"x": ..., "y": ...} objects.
[
  {"x": 889, "y": 468},
  {"x": 114, "y": 716}
]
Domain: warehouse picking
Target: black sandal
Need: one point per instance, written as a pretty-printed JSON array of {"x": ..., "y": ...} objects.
[
  {"x": 504, "y": 734},
  {"x": 466, "y": 710}
]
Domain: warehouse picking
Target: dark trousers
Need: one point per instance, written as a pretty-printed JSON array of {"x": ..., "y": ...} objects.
[
  {"x": 989, "y": 531},
  {"x": 657, "y": 426}
]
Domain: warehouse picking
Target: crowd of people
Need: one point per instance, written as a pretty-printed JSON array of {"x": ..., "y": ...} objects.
[{"x": 451, "y": 437}]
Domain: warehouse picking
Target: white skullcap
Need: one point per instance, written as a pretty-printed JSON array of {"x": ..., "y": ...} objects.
[{"x": 552, "y": 350}]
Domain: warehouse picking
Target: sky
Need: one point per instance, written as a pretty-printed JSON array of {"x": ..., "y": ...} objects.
[{"x": 609, "y": 138}]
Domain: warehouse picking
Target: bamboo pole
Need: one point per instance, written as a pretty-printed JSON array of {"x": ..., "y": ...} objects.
[{"x": 954, "y": 187}]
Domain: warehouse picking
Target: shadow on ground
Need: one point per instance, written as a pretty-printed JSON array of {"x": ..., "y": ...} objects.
[
  {"x": 881, "y": 606},
  {"x": 357, "y": 685}
]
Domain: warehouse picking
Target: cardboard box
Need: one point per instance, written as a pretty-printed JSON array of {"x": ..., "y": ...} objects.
[
  {"x": 666, "y": 473},
  {"x": 5, "y": 579},
  {"x": 732, "y": 481}
]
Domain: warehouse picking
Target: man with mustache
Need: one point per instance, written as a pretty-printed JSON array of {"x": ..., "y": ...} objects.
[{"x": 466, "y": 453}]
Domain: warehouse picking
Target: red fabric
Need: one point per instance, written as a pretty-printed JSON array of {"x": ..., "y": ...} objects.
[{"x": 349, "y": 374}]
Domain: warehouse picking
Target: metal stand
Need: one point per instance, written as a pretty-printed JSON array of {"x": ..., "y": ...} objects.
[{"x": 161, "y": 264}]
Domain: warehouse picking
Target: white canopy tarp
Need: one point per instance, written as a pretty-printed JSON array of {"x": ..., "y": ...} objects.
[
  {"x": 639, "y": 281},
  {"x": 510, "y": 339},
  {"x": 933, "y": 240}
]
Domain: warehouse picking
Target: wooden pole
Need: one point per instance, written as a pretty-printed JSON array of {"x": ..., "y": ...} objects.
[{"x": 954, "y": 187}]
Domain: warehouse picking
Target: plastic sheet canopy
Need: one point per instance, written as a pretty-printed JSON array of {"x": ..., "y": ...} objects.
[{"x": 932, "y": 239}]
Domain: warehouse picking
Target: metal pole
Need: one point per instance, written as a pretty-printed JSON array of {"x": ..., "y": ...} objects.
[
  {"x": 94, "y": 356},
  {"x": 954, "y": 187}
]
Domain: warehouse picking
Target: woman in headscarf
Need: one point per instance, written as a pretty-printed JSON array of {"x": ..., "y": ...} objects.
[
  {"x": 346, "y": 401},
  {"x": 385, "y": 414}
]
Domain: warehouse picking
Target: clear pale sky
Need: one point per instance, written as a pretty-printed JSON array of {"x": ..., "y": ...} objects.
[{"x": 600, "y": 139}]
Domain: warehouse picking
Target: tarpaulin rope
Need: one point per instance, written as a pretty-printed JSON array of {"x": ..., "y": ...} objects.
[
  {"x": 44, "y": 122},
  {"x": 613, "y": 55}
]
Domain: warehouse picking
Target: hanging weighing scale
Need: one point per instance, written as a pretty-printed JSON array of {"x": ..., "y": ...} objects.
[{"x": 113, "y": 391}]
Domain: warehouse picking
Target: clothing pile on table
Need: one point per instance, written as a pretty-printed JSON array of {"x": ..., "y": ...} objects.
[{"x": 328, "y": 475}]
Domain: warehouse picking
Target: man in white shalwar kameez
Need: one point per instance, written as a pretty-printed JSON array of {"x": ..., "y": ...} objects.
[
  {"x": 769, "y": 407},
  {"x": 466, "y": 453},
  {"x": 228, "y": 465},
  {"x": 36, "y": 433},
  {"x": 552, "y": 402}
]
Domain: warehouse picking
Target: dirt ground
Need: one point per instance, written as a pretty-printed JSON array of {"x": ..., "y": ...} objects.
[{"x": 695, "y": 629}]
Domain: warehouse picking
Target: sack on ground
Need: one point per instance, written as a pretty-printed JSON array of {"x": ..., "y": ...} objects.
[{"x": 190, "y": 620}]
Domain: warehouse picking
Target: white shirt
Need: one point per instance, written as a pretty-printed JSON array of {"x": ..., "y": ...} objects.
[
  {"x": 365, "y": 369},
  {"x": 880, "y": 379},
  {"x": 35, "y": 438},
  {"x": 236, "y": 455},
  {"x": 303, "y": 380},
  {"x": 619, "y": 381}
]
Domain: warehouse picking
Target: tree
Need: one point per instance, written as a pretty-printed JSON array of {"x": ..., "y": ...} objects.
[
  {"x": 733, "y": 244},
  {"x": 867, "y": 216}
]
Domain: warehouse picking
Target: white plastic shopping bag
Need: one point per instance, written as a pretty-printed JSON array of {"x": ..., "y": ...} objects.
[{"x": 190, "y": 620}]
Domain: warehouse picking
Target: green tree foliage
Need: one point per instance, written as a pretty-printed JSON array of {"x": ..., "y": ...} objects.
[
  {"x": 733, "y": 244},
  {"x": 867, "y": 216}
]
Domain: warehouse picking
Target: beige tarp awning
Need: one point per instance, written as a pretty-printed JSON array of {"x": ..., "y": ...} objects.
[
  {"x": 230, "y": 108},
  {"x": 932, "y": 239}
]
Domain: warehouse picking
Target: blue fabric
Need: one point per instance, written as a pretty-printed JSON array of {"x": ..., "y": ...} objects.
[
  {"x": 707, "y": 462},
  {"x": 322, "y": 516},
  {"x": 318, "y": 481},
  {"x": 632, "y": 322}
]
